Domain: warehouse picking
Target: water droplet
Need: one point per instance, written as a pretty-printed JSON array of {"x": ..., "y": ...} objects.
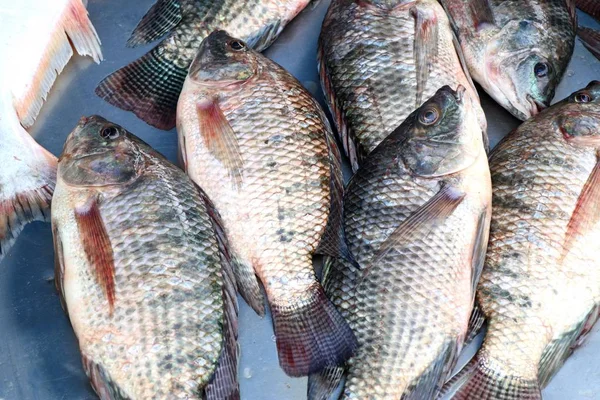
[
  {"x": 274, "y": 338},
  {"x": 570, "y": 73},
  {"x": 247, "y": 373}
]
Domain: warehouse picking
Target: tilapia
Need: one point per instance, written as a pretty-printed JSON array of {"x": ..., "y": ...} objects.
[
  {"x": 416, "y": 216},
  {"x": 517, "y": 50},
  {"x": 142, "y": 271},
  {"x": 540, "y": 286},
  {"x": 260, "y": 146},
  {"x": 379, "y": 61},
  {"x": 37, "y": 38},
  {"x": 591, "y": 7},
  {"x": 150, "y": 86}
]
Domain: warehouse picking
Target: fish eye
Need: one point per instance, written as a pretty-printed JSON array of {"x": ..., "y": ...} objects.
[
  {"x": 237, "y": 45},
  {"x": 541, "y": 70},
  {"x": 583, "y": 98},
  {"x": 429, "y": 116},
  {"x": 110, "y": 132}
]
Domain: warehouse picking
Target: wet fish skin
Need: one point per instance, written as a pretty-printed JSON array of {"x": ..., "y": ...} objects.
[
  {"x": 150, "y": 86},
  {"x": 416, "y": 217},
  {"x": 370, "y": 71},
  {"x": 261, "y": 147},
  {"x": 140, "y": 270},
  {"x": 540, "y": 285},
  {"x": 517, "y": 50}
]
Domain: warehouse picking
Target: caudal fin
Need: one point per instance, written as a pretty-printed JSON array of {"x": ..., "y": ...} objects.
[
  {"x": 149, "y": 87},
  {"x": 478, "y": 381},
  {"x": 312, "y": 335}
]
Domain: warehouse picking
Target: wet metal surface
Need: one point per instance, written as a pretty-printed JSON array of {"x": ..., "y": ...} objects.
[{"x": 39, "y": 358}]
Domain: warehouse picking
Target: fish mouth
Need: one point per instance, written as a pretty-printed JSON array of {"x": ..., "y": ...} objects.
[
  {"x": 70, "y": 157},
  {"x": 536, "y": 106}
]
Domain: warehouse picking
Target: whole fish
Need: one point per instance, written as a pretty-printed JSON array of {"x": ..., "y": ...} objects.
[
  {"x": 517, "y": 50},
  {"x": 142, "y": 271},
  {"x": 591, "y": 7},
  {"x": 416, "y": 215},
  {"x": 150, "y": 86},
  {"x": 379, "y": 61},
  {"x": 261, "y": 147},
  {"x": 37, "y": 38},
  {"x": 540, "y": 286}
]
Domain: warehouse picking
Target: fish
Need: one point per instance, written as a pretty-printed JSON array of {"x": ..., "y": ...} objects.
[
  {"x": 150, "y": 86},
  {"x": 590, "y": 39},
  {"x": 260, "y": 146},
  {"x": 37, "y": 39},
  {"x": 517, "y": 50},
  {"x": 142, "y": 270},
  {"x": 591, "y": 7},
  {"x": 379, "y": 61},
  {"x": 416, "y": 218},
  {"x": 540, "y": 285}
]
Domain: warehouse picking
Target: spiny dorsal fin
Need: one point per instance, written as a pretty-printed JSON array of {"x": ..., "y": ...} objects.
[
  {"x": 220, "y": 138},
  {"x": 97, "y": 247}
]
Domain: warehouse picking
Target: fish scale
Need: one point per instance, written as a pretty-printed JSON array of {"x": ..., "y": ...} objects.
[
  {"x": 164, "y": 335},
  {"x": 369, "y": 68}
]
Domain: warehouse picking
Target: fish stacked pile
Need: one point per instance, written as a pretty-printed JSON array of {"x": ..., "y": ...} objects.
[{"x": 428, "y": 241}]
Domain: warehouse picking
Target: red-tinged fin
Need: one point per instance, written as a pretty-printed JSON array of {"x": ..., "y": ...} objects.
[
  {"x": 591, "y": 7},
  {"x": 97, "y": 247},
  {"x": 481, "y": 13},
  {"x": 101, "y": 382},
  {"x": 160, "y": 19},
  {"x": 556, "y": 352},
  {"x": 477, "y": 381},
  {"x": 327, "y": 384},
  {"x": 422, "y": 221},
  {"x": 590, "y": 39},
  {"x": 425, "y": 46},
  {"x": 220, "y": 138},
  {"x": 59, "y": 266},
  {"x": 587, "y": 212},
  {"x": 149, "y": 87},
  {"x": 81, "y": 32},
  {"x": 311, "y": 335},
  {"x": 243, "y": 274}
]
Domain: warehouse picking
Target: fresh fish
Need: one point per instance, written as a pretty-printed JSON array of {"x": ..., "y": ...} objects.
[
  {"x": 591, "y": 7},
  {"x": 37, "y": 38},
  {"x": 540, "y": 286},
  {"x": 261, "y": 147},
  {"x": 150, "y": 86},
  {"x": 379, "y": 61},
  {"x": 517, "y": 50},
  {"x": 142, "y": 271},
  {"x": 416, "y": 216},
  {"x": 590, "y": 39}
]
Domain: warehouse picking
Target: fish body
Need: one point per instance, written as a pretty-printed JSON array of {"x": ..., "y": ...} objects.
[
  {"x": 141, "y": 272},
  {"x": 260, "y": 146},
  {"x": 37, "y": 38},
  {"x": 150, "y": 86},
  {"x": 416, "y": 215},
  {"x": 517, "y": 50},
  {"x": 379, "y": 61},
  {"x": 540, "y": 286}
]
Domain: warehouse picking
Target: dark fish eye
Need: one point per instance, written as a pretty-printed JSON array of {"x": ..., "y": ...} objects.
[
  {"x": 541, "y": 70},
  {"x": 110, "y": 132},
  {"x": 237, "y": 45},
  {"x": 583, "y": 98},
  {"x": 429, "y": 116}
]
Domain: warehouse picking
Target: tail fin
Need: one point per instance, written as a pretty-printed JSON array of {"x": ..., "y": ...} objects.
[
  {"x": 76, "y": 30},
  {"x": 311, "y": 336},
  {"x": 478, "y": 381},
  {"x": 149, "y": 87},
  {"x": 326, "y": 384}
]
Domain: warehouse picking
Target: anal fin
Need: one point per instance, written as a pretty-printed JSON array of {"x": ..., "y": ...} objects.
[{"x": 160, "y": 19}]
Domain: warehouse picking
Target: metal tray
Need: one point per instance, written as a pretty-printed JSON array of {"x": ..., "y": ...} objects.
[{"x": 39, "y": 357}]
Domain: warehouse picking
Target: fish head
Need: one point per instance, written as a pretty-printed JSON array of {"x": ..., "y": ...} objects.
[
  {"x": 99, "y": 153},
  {"x": 223, "y": 60},
  {"x": 523, "y": 68},
  {"x": 444, "y": 134},
  {"x": 579, "y": 117}
]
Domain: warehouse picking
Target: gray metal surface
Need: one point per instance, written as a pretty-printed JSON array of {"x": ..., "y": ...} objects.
[{"x": 39, "y": 358}]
